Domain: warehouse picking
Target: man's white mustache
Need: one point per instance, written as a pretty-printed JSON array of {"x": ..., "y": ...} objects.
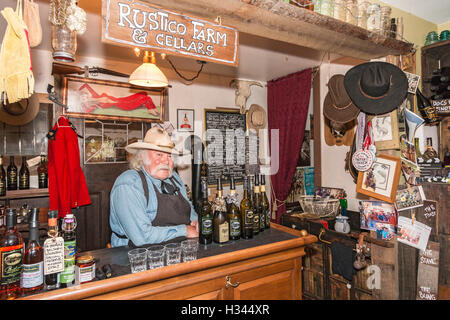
[{"x": 162, "y": 167}]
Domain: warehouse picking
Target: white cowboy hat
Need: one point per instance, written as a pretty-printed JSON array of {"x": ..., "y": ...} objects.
[
  {"x": 156, "y": 138},
  {"x": 256, "y": 117}
]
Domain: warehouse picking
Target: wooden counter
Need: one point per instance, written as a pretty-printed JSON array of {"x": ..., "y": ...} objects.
[{"x": 265, "y": 267}]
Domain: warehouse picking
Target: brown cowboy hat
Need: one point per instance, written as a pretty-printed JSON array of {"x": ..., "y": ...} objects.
[
  {"x": 20, "y": 112},
  {"x": 337, "y": 105},
  {"x": 156, "y": 138},
  {"x": 256, "y": 117}
]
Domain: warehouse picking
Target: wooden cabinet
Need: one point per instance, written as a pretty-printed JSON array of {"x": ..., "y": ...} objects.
[{"x": 270, "y": 271}]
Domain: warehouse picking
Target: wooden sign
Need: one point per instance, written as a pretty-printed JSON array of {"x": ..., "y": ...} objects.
[
  {"x": 442, "y": 106},
  {"x": 138, "y": 24},
  {"x": 427, "y": 272},
  {"x": 428, "y": 214}
]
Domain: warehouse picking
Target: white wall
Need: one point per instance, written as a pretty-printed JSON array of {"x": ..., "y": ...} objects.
[{"x": 208, "y": 91}]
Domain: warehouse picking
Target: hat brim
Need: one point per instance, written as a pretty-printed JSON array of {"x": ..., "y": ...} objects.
[
  {"x": 341, "y": 115},
  {"x": 253, "y": 108},
  {"x": 395, "y": 96},
  {"x": 26, "y": 117},
  {"x": 136, "y": 146}
]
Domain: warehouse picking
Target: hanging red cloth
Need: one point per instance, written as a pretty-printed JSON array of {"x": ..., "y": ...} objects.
[
  {"x": 66, "y": 182},
  {"x": 287, "y": 111}
]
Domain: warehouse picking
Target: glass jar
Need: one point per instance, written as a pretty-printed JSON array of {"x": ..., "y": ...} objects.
[
  {"x": 85, "y": 269},
  {"x": 374, "y": 17},
  {"x": 362, "y": 14},
  {"x": 64, "y": 43},
  {"x": 351, "y": 11},
  {"x": 327, "y": 8},
  {"x": 385, "y": 23},
  {"x": 340, "y": 9}
]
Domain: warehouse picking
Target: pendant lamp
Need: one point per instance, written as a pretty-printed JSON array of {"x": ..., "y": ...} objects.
[{"x": 148, "y": 74}]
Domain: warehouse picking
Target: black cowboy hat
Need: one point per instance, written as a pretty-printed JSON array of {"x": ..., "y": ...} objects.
[{"x": 376, "y": 87}]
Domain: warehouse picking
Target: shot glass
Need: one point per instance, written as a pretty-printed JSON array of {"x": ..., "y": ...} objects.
[
  {"x": 173, "y": 253},
  {"x": 138, "y": 259},
  {"x": 155, "y": 256},
  {"x": 189, "y": 249}
]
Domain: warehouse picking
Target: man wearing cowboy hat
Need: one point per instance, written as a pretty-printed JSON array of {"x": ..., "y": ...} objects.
[{"x": 149, "y": 203}]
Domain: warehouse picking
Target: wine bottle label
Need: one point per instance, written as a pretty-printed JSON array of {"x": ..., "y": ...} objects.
[
  {"x": 32, "y": 275},
  {"x": 256, "y": 189},
  {"x": 2, "y": 187},
  {"x": 12, "y": 177},
  {"x": 248, "y": 218},
  {"x": 11, "y": 264},
  {"x": 68, "y": 275},
  {"x": 207, "y": 225},
  {"x": 267, "y": 216},
  {"x": 256, "y": 221},
  {"x": 262, "y": 221},
  {"x": 24, "y": 180},
  {"x": 263, "y": 188},
  {"x": 53, "y": 255},
  {"x": 235, "y": 227},
  {"x": 223, "y": 232},
  {"x": 42, "y": 180}
]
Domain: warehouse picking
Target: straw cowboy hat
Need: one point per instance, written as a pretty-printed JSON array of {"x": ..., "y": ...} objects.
[
  {"x": 376, "y": 87},
  {"x": 337, "y": 105},
  {"x": 256, "y": 117},
  {"x": 155, "y": 139},
  {"x": 20, "y": 112}
]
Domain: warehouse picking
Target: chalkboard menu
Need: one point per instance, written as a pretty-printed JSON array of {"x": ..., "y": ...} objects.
[{"x": 226, "y": 147}]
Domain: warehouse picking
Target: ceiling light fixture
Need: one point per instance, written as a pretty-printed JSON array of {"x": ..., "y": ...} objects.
[{"x": 148, "y": 74}]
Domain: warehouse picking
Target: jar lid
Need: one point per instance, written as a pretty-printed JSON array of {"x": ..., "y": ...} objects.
[{"x": 85, "y": 259}]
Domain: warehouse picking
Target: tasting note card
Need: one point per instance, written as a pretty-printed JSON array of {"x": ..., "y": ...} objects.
[{"x": 53, "y": 255}]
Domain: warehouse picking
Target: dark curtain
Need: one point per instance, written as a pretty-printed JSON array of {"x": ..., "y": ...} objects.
[{"x": 287, "y": 111}]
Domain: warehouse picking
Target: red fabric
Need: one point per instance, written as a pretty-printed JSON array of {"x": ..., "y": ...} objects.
[
  {"x": 287, "y": 106},
  {"x": 66, "y": 182}
]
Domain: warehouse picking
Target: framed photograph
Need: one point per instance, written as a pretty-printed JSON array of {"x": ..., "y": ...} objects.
[
  {"x": 385, "y": 131},
  {"x": 185, "y": 120},
  {"x": 375, "y": 215},
  {"x": 112, "y": 100},
  {"x": 411, "y": 172},
  {"x": 380, "y": 181}
]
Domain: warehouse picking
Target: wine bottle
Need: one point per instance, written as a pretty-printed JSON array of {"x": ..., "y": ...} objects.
[
  {"x": 11, "y": 255},
  {"x": 67, "y": 277},
  {"x": 260, "y": 209},
  {"x": 206, "y": 217},
  {"x": 254, "y": 205},
  {"x": 221, "y": 227},
  {"x": 32, "y": 279},
  {"x": 2, "y": 180},
  {"x": 234, "y": 219},
  {"x": 11, "y": 174},
  {"x": 246, "y": 214},
  {"x": 52, "y": 280},
  {"x": 427, "y": 111},
  {"x": 24, "y": 175},
  {"x": 42, "y": 174},
  {"x": 265, "y": 202}
]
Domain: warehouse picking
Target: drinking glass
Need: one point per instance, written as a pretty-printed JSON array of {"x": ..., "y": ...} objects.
[
  {"x": 138, "y": 259},
  {"x": 189, "y": 249},
  {"x": 173, "y": 253},
  {"x": 155, "y": 256}
]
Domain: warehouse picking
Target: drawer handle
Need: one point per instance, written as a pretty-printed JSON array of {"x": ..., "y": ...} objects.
[{"x": 228, "y": 278}]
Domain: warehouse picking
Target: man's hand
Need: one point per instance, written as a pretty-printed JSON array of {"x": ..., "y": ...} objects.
[
  {"x": 191, "y": 231},
  {"x": 195, "y": 224}
]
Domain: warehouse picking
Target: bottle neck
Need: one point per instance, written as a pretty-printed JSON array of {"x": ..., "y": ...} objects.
[{"x": 34, "y": 234}]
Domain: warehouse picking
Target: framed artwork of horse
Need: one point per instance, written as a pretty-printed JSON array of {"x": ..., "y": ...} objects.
[{"x": 112, "y": 100}]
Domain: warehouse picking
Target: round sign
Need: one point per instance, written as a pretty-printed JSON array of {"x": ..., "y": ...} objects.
[{"x": 362, "y": 160}]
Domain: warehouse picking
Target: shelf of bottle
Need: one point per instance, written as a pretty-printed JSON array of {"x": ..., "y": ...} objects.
[{"x": 22, "y": 194}]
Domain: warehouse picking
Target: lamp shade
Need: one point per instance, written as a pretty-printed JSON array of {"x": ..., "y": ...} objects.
[{"x": 148, "y": 75}]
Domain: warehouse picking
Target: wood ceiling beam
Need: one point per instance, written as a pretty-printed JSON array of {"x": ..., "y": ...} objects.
[{"x": 280, "y": 21}]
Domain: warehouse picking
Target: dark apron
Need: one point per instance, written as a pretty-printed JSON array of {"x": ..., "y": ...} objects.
[{"x": 172, "y": 210}]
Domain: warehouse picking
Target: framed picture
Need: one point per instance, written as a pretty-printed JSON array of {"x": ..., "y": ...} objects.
[
  {"x": 185, "y": 119},
  {"x": 380, "y": 181},
  {"x": 408, "y": 151},
  {"x": 376, "y": 215},
  {"x": 304, "y": 158},
  {"x": 112, "y": 100},
  {"x": 385, "y": 131}
]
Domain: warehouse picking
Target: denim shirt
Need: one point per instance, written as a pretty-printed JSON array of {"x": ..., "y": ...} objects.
[{"x": 132, "y": 217}]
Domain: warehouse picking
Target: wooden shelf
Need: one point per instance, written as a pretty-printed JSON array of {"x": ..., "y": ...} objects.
[
  {"x": 281, "y": 21},
  {"x": 24, "y": 194}
]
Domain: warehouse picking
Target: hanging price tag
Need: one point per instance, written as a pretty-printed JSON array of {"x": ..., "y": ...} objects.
[{"x": 53, "y": 255}]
